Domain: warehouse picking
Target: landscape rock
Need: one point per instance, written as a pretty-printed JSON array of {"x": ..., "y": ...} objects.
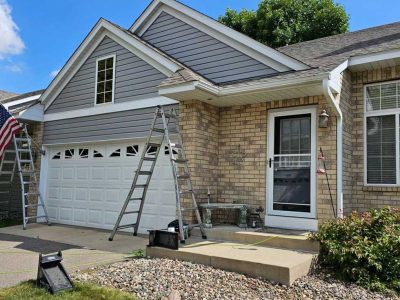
[{"x": 175, "y": 280}]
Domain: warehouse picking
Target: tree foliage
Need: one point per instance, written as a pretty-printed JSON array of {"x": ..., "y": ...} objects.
[{"x": 282, "y": 22}]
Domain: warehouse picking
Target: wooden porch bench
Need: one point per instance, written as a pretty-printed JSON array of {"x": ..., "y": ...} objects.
[{"x": 208, "y": 207}]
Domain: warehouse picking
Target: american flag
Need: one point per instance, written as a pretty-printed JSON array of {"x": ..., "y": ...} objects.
[{"x": 8, "y": 127}]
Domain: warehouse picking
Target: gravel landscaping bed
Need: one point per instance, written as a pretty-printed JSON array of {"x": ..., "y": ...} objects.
[{"x": 154, "y": 278}]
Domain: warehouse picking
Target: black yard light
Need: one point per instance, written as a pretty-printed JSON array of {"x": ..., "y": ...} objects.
[{"x": 52, "y": 274}]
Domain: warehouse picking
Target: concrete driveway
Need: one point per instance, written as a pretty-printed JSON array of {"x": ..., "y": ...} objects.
[{"x": 82, "y": 248}]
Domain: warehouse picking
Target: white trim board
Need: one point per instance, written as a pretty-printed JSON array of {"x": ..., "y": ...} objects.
[
  {"x": 114, "y": 57},
  {"x": 101, "y": 29},
  {"x": 109, "y": 108},
  {"x": 291, "y": 223},
  {"x": 239, "y": 41}
]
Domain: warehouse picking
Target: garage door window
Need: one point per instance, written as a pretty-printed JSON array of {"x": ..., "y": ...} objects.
[
  {"x": 57, "y": 155},
  {"x": 83, "y": 153},
  {"x": 151, "y": 151},
  {"x": 97, "y": 154},
  {"x": 116, "y": 153},
  {"x": 69, "y": 153},
  {"x": 132, "y": 150}
]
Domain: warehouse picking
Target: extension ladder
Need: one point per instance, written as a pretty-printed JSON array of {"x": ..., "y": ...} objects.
[
  {"x": 31, "y": 197},
  {"x": 181, "y": 174}
]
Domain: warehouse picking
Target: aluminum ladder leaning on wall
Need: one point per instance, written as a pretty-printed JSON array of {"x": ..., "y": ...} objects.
[
  {"x": 31, "y": 197},
  {"x": 181, "y": 174}
]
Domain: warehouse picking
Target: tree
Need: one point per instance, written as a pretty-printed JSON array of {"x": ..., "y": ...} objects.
[{"x": 282, "y": 22}]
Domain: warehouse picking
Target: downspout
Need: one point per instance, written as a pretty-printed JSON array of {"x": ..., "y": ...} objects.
[{"x": 339, "y": 142}]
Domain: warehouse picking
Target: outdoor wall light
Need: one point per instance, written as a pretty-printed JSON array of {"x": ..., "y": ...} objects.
[{"x": 323, "y": 119}]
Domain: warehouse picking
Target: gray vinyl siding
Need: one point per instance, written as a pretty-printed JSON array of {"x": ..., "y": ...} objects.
[
  {"x": 111, "y": 126},
  {"x": 135, "y": 79},
  {"x": 204, "y": 54}
]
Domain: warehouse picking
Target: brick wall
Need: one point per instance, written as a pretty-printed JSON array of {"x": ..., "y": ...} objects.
[
  {"x": 199, "y": 127},
  {"x": 229, "y": 146},
  {"x": 363, "y": 197},
  {"x": 36, "y": 132}
]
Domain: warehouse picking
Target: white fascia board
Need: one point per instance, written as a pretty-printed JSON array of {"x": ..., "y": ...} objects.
[
  {"x": 109, "y": 108},
  {"x": 102, "y": 29},
  {"x": 335, "y": 76},
  {"x": 146, "y": 53},
  {"x": 65, "y": 74},
  {"x": 179, "y": 88},
  {"x": 21, "y": 101},
  {"x": 233, "y": 38},
  {"x": 189, "y": 87},
  {"x": 244, "y": 89},
  {"x": 374, "y": 57}
]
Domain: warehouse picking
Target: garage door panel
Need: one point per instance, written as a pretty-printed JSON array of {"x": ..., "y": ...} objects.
[
  {"x": 80, "y": 215},
  {"x": 98, "y": 173},
  {"x": 82, "y": 173},
  {"x": 114, "y": 196},
  {"x": 95, "y": 216},
  {"x": 52, "y": 211},
  {"x": 114, "y": 174},
  {"x": 54, "y": 173},
  {"x": 68, "y": 173},
  {"x": 91, "y": 191},
  {"x": 66, "y": 213},
  {"x": 67, "y": 193}
]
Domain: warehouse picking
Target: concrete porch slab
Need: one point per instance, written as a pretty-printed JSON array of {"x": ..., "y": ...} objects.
[
  {"x": 82, "y": 248},
  {"x": 283, "y": 239},
  {"x": 281, "y": 265}
]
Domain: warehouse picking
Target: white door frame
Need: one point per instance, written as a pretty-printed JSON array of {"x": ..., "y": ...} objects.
[{"x": 287, "y": 217}]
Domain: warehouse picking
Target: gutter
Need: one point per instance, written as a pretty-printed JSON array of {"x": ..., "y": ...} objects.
[{"x": 339, "y": 142}]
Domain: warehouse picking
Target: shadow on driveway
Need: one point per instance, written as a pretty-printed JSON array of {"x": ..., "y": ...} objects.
[{"x": 35, "y": 244}]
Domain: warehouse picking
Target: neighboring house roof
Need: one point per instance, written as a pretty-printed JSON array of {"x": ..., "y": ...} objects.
[
  {"x": 20, "y": 103},
  {"x": 5, "y": 95},
  {"x": 329, "y": 52}
]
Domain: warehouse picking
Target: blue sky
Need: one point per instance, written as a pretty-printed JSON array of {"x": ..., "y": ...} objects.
[{"x": 50, "y": 30}]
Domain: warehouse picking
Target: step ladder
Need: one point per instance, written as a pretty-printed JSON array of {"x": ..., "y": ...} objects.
[
  {"x": 31, "y": 197},
  {"x": 7, "y": 174},
  {"x": 181, "y": 173}
]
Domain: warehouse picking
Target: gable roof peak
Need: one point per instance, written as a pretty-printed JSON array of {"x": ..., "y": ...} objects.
[{"x": 269, "y": 56}]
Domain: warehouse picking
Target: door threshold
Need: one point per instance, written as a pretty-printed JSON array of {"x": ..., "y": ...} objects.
[{"x": 291, "y": 223}]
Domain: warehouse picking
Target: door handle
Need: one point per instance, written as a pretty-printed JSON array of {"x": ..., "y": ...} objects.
[{"x": 270, "y": 162}]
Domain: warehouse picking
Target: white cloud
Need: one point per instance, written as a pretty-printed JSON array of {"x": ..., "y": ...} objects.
[
  {"x": 54, "y": 73},
  {"x": 15, "y": 68},
  {"x": 10, "y": 42}
]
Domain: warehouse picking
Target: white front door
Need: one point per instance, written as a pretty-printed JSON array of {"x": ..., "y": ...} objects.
[{"x": 291, "y": 167}]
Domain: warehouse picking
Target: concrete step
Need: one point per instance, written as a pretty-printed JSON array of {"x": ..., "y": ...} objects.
[
  {"x": 279, "y": 265},
  {"x": 288, "y": 240}
]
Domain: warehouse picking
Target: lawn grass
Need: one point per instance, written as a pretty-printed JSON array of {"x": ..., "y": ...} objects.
[
  {"x": 81, "y": 291},
  {"x": 10, "y": 222}
]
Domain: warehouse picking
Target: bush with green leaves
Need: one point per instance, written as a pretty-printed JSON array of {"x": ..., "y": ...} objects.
[{"x": 364, "y": 248}]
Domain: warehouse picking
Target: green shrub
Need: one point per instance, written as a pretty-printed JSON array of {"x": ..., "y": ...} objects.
[{"x": 364, "y": 248}]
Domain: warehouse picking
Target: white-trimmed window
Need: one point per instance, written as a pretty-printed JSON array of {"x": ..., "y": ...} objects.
[
  {"x": 105, "y": 75},
  {"x": 382, "y": 141}
]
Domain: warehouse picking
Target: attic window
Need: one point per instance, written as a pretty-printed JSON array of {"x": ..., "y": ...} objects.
[{"x": 105, "y": 80}]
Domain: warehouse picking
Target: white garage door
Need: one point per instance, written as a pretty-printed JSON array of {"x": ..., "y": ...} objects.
[{"x": 87, "y": 185}]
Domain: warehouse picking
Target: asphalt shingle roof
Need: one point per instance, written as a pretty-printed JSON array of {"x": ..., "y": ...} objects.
[
  {"x": 329, "y": 52},
  {"x": 5, "y": 95}
]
